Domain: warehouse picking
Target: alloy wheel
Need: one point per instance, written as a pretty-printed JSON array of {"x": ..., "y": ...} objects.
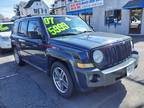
[{"x": 60, "y": 79}]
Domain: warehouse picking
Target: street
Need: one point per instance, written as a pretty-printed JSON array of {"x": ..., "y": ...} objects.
[{"x": 27, "y": 87}]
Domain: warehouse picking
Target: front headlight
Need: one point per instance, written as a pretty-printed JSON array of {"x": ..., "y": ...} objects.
[
  {"x": 98, "y": 56},
  {"x": 132, "y": 45}
]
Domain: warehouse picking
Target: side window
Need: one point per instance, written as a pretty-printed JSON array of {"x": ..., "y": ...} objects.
[
  {"x": 23, "y": 28},
  {"x": 15, "y": 28},
  {"x": 34, "y": 30}
]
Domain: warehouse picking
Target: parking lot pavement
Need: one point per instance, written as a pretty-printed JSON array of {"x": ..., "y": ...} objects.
[{"x": 26, "y": 87}]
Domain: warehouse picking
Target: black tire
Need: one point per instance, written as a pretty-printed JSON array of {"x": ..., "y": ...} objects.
[
  {"x": 69, "y": 91},
  {"x": 17, "y": 57}
]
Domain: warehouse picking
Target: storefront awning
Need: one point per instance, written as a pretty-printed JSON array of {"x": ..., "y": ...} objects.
[
  {"x": 82, "y": 11},
  {"x": 132, "y": 4}
]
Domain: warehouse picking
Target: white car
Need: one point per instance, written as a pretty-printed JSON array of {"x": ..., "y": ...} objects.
[
  {"x": 135, "y": 23},
  {"x": 5, "y": 32}
]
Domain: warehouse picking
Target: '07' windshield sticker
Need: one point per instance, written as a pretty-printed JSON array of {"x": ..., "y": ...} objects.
[
  {"x": 55, "y": 29},
  {"x": 48, "y": 21}
]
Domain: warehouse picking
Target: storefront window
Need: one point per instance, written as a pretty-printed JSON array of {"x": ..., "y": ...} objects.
[
  {"x": 113, "y": 17},
  {"x": 135, "y": 21},
  {"x": 86, "y": 18}
]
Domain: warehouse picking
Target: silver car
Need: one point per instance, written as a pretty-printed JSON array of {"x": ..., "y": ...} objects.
[{"x": 5, "y": 32}]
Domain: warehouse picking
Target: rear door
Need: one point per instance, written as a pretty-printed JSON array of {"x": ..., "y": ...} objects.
[{"x": 22, "y": 38}]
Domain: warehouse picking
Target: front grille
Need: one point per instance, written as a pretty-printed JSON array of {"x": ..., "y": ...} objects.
[{"x": 115, "y": 54}]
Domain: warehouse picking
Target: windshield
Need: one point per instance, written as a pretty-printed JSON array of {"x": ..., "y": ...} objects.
[
  {"x": 65, "y": 25},
  {"x": 5, "y": 27}
]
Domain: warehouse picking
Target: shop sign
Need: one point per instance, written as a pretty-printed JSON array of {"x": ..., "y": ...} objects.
[{"x": 84, "y": 4}]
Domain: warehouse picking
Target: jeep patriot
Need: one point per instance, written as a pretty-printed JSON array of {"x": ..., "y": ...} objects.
[{"x": 71, "y": 53}]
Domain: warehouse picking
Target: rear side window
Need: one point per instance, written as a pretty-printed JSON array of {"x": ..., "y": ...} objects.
[
  {"x": 15, "y": 28},
  {"x": 23, "y": 28}
]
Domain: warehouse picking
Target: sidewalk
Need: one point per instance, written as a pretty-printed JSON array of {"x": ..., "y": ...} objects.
[{"x": 138, "y": 38}]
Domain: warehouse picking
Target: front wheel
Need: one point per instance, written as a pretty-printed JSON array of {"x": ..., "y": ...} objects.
[
  {"x": 17, "y": 57},
  {"x": 62, "y": 79}
]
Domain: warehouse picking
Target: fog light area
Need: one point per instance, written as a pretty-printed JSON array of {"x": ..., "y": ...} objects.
[{"x": 94, "y": 77}]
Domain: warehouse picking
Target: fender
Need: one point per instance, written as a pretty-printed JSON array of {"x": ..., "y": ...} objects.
[{"x": 68, "y": 59}]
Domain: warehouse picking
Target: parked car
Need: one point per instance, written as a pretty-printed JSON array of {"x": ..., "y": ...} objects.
[
  {"x": 73, "y": 54},
  {"x": 5, "y": 33},
  {"x": 135, "y": 23}
]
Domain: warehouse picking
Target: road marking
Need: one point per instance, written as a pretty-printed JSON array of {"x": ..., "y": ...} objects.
[
  {"x": 8, "y": 76},
  {"x": 135, "y": 81}
]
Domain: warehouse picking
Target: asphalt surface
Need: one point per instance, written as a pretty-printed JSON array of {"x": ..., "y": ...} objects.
[{"x": 26, "y": 87}]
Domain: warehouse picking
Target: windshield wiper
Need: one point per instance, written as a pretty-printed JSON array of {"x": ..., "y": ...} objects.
[
  {"x": 67, "y": 34},
  {"x": 71, "y": 33},
  {"x": 84, "y": 32}
]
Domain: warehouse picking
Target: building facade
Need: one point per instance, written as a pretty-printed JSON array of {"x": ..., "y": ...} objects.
[
  {"x": 108, "y": 15},
  {"x": 33, "y": 7},
  {"x": 60, "y": 7},
  {"x": 113, "y": 17}
]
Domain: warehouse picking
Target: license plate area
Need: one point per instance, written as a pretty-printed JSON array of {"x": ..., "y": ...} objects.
[
  {"x": 130, "y": 69},
  {"x": 121, "y": 74}
]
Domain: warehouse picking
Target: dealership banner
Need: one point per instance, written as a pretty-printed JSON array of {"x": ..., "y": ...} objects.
[{"x": 84, "y": 4}]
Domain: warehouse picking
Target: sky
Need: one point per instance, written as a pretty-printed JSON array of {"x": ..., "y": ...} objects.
[{"x": 6, "y": 6}]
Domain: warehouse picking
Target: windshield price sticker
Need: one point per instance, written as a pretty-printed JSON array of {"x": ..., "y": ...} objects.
[
  {"x": 58, "y": 28},
  {"x": 55, "y": 29},
  {"x": 2, "y": 28}
]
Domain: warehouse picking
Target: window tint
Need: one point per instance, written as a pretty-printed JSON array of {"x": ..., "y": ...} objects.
[
  {"x": 15, "y": 28},
  {"x": 23, "y": 28},
  {"x": 34, "y": 30}
]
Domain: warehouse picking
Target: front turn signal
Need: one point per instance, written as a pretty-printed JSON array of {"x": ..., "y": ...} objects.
[{"x": 82, "y": 65}]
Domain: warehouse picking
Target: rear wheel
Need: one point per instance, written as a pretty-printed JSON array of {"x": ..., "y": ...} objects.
[
  {"x": 17, "y": 57},
  {"x": 62, "y": 80}
]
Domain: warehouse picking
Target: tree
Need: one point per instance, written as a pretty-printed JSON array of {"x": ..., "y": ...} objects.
[{"x": 17, "y": 10}]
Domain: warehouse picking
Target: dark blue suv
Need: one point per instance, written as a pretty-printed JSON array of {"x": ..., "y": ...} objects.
[{"x": 72, "y": 54}]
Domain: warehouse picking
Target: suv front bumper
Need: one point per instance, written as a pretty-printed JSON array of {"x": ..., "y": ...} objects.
[
  {"x": 5, "y": 44},
  {"x": 90, "y": 78}
]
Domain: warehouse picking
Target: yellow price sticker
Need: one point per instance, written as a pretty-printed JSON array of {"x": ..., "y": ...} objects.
[
  {"x": 49, "y": 20},
  {"x": 58, "y": 28},
  {"x": 3, "y": 28},
  {"x": 55, "y": 29}
]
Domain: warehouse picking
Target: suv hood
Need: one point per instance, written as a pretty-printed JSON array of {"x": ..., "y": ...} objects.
[
  {"x": 5, "y": 34},
  {"x": 91, "y": 40}
]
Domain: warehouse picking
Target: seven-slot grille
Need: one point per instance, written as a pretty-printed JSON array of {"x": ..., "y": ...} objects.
[{"x": 115, "y": 54}]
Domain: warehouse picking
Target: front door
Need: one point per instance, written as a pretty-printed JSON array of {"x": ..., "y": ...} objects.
[
  {"x": 35, "y": 45},
  {"x": 135, "y": 21}
]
